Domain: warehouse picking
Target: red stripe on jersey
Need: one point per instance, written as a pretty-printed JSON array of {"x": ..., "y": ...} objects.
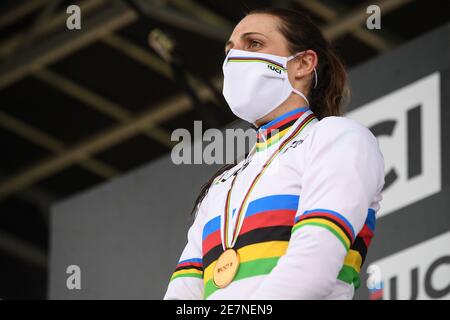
[{"x": 269, "y": 218}]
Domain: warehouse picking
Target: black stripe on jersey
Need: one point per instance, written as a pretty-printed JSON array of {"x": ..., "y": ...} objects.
[
  {"x": 189, "y": 267},
  {"x": 360, "y": 246},
  {"x": 277, "y": 233}
]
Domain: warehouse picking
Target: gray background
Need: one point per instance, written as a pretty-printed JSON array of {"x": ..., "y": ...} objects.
[{"x": 127, "y": 235}]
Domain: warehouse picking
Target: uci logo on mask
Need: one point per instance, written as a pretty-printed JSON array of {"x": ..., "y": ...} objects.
[{"x": 273, "y": 68}]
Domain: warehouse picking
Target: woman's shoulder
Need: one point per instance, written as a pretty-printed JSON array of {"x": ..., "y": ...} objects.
[
  {"x": 333, "y": 127},
  {"x": 342, "y": 136},
  {"x": 340, "y": 124}
]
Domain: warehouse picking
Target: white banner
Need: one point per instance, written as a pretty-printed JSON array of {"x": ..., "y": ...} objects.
[
  {"x": 414, "y": 167},
  {"x": 419, "y": 272}
]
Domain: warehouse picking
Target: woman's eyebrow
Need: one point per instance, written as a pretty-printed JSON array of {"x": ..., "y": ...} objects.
[
  {"x": 246, "y": 34},
  {"x": 251, "y": 33}
]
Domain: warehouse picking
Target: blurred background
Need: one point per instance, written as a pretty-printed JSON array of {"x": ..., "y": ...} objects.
[{"x": 82, "y": 110}]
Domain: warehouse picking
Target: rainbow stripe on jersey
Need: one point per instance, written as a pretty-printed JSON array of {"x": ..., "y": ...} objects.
[
  {"x": 189, "y": 268},
  {"x": 356, "y": 246},
  {"x": 262, "y": 240}
]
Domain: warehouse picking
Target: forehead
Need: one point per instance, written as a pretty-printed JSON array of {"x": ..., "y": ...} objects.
[{"x": 259, "y": 22}]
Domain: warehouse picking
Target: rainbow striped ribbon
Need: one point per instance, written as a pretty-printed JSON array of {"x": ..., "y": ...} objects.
[{"x": 304, "y": 123}]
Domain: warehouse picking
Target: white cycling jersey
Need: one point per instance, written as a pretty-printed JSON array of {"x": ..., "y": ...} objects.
[{"x": 308, "y": 221}]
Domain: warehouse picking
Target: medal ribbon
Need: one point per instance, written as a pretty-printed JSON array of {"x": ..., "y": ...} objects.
[{"x": 240, "y": 216}]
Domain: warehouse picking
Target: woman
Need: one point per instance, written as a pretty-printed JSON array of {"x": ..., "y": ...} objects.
[{"x": 301, "y": 230}]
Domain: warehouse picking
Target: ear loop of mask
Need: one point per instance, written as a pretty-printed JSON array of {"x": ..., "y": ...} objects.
[{"x": 315, "y": 78}]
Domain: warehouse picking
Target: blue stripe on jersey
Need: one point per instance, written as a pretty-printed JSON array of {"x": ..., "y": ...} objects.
[
  {"x": 275, "y": 202},
  {"x": 191, "y": 260},
  {"x": 370, "y": 221},
  {"x": 211, "y": 226}
]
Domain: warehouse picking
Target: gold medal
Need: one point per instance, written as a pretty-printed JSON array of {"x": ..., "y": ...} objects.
[{"x": 226, "y": 268}]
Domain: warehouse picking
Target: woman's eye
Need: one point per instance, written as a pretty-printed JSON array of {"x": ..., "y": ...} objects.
[{"x": 255, "y": 44}]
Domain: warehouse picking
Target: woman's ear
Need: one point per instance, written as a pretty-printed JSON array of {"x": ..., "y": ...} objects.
[{"x": 305, "y": 64}]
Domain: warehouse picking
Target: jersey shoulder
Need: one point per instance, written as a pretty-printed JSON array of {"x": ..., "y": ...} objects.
[{"x": 334, "y": 126}]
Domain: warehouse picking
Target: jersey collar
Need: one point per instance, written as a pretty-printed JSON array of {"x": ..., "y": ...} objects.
[{"x": 271, "y": 132}]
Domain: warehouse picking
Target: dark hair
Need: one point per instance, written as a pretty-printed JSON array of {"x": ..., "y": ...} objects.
[{"x": 302, "y": 34}]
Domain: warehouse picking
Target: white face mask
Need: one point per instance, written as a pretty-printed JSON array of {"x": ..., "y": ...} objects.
[{"x": 256, "y": 83}]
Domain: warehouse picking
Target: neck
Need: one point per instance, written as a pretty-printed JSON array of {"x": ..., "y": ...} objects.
[{"x": 294, "y": 101}]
